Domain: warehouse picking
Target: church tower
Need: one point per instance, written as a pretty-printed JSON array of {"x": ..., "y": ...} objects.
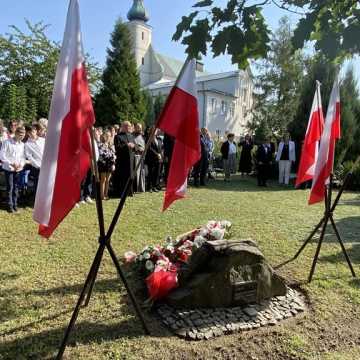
[{"x": 141, "y": 34}]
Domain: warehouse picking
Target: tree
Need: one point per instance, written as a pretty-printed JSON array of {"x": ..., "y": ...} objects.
[
  {"x": 348, "y": 148},
  {"x": 27, "y": 71},
  {"x": 239, "y": 27},
  {"x": 159, "y": 103},
  {"x": 278, "y": 84},
  {"x": 317, "y": 68},
  {"x": 321, "y": 69},
  {"x": 120, "y": 97},
  {"x": 149, "y": 118}
]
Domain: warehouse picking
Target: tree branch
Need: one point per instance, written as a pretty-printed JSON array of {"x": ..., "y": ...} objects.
[{"x": 287, "y": 8}]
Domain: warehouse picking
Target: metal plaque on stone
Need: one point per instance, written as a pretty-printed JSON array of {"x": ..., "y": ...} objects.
[{"x": 244, "y": 292}]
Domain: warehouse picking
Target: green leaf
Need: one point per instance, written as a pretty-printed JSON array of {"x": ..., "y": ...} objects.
[
  {"x": 203, "y": 3},
  {"x": 197, "y": 40},
  {"x": 184, "y": 25}
]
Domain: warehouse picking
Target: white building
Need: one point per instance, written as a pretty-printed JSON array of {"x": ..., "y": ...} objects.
[{"x": 225, "y": 99}]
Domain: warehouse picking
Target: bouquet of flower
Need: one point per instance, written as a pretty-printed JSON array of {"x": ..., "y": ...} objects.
[{"x": 161, "y": 263}]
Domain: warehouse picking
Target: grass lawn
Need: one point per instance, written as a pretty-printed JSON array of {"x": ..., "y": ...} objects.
[{"x": 40, "y": 280}]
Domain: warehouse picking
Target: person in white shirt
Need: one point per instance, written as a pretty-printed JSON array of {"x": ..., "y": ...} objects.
[
  {"x": 34, "y": 149},
  {"x": 285, "y": 157},
  {"x": 12, "y": 156}
]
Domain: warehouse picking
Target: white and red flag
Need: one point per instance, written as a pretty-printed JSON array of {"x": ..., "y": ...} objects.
[
  {"x": 310, "y": 148},
  {"x": 67, "y": 153},
  {"x": 325, "y": 162},
  {"x": 180, "y": 119}
]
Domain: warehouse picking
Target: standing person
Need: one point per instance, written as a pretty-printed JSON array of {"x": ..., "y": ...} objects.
[
  {"x": 106, "y": 163},
  {"x": 3, "y": 133},
  {"x": 124, "y": 148},
  {"x": 12, "y": 156},
  {"x": 201, "y": 167},
  {"x": 34, "y": 149},
  {"x": 139, "y": 140},
  {"x": 43, "y": 127},
  {"x": 210, "y": 150},
  {"x": 13, "y": 124},
  {"x": 264, "y": 155},
  {"x": 154, "y": 159},
  {"x": 285, "y": 157},
  {"x": 168, "y": 149},
  {"x": 245, "y": 165},
  {"x": 228, "y": 152}
]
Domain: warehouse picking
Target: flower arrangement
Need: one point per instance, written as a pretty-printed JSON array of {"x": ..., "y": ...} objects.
[{"x": 160, "y": 264}]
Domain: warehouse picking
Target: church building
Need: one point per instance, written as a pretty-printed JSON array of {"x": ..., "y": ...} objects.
[{"x": 225, "y": 99}]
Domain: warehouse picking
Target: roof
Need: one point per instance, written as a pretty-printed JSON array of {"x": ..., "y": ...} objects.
[
  {"x": 172, "y": 67},
  {"x": 138, "y": 11},
  {"x": 202, "y": 78}
]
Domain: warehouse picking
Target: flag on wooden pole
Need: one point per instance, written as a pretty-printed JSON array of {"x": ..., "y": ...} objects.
[
  {"x": 325, "y": 162},
  {"x": 67, "y": 152},
  {"x": 180, "y": 119},
  {"x": 310, "y": 148}
]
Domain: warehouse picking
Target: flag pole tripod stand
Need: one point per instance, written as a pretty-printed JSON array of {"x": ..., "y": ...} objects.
[
  {"x": 104, "y": 243},
  {"x": 327, "y": 218}
]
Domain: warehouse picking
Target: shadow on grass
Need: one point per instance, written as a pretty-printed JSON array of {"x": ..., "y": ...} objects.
[
  {"x": 353, "y": 252},
  {"x": 349, "y": 229},
  {"x": 101, "y": 286},
  {"x": 44, "y": 345},
  {"x": 350, "y": 202},
  {"x": 355, "y": 283},
  {"x": 244, "y": 184}
]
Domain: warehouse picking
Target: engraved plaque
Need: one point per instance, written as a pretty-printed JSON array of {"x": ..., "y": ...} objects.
[{"x": 244, "y": 292}]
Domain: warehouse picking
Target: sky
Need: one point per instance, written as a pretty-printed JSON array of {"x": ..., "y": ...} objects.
[{"x": 98, "y": 19}]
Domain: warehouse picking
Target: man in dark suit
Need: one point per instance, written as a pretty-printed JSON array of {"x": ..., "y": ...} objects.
[
  {"x": 168, "y": 150},
  {"x": 201, "y": 167},
  {"x": 124, "y": 143},
  {"x": 154, "y": 159},
  {"x": 264, "y": 157}
]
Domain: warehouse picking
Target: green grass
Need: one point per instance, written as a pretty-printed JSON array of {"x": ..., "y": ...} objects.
[{"x": 40, "y": 280}]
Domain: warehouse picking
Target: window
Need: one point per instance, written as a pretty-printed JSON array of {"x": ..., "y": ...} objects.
[
  {"x": 232, "y": 109},
  {"x": 142, "y": 36},
  {"x": 223, "y": 107},
  {"x": 142, "y": 61},
  {"x": 213, "y": 105},
  {"x": 245, "y": 94}
]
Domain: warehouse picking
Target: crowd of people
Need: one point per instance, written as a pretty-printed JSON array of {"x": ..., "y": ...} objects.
[{"x": 120, "y": 158}]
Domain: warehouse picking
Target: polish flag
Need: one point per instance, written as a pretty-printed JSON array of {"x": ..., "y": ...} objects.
[
  {"x": 180, "y": 119},
  {"x": 67, "y": 153},
  {"x": 325, "y": 162},
  {"x": 310, "y": 149}
]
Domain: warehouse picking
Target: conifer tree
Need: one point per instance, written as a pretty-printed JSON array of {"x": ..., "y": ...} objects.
[
  {"x": 149, "y": 118},
  {"x": 120, "y": 98}
]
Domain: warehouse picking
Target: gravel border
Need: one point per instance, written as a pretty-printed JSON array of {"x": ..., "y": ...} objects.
[{"x": 205, "y": 324}]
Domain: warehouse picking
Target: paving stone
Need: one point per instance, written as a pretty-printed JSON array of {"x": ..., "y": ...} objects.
[
  {"x": 250, "y": 311},
  {"x": 206, "y": 324}
]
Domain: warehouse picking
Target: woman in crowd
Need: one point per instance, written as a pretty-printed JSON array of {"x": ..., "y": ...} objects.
[
  {"x": 245, "y": 165},
  {"x": 106, "y": 163},
  {"x": 12, "y": 128},
  {"x": 285, "y": 157}
]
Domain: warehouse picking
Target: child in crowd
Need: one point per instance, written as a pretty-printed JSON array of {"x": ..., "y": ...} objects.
[{"x": 12, "y": 156}]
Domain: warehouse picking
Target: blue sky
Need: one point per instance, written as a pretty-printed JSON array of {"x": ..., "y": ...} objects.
[{"x": 98, "y": 18}]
